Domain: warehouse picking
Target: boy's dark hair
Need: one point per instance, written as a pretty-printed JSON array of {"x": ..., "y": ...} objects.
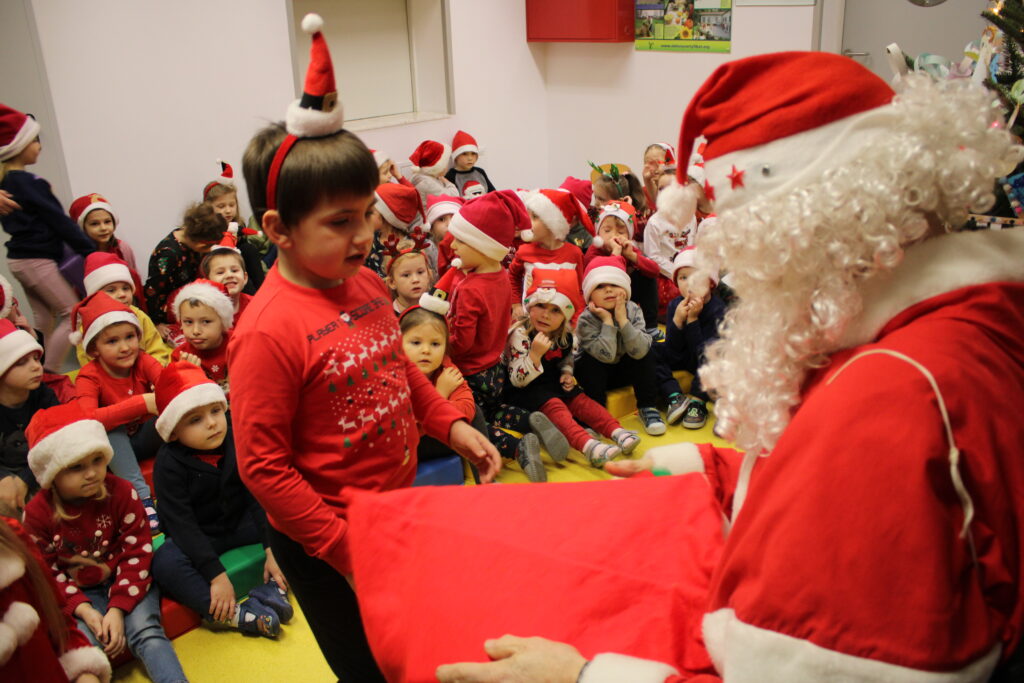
[
  {"x": 204, "y": 265},
  {"x": 330, "y": 166},
  {"x": 202, "y": 224}
]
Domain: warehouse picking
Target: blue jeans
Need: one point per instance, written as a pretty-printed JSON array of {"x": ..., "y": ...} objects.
[
  {"x": 144, "y": 633},
  {"x": 125, "y": 463}
]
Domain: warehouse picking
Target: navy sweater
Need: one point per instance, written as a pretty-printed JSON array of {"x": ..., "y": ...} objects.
[
  {"x": 687, "y": 344},
  {"x": 13, "y": 446},
  {"x": 41, "y": 228}
]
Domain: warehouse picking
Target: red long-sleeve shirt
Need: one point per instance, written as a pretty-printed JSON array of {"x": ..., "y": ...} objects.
[
  {"x": 461, "y": 398},
  {"x": 213, "y": 361},
  {"x": 115, "y": 400},
  {"x": 531, "y": 255},
  {"x": 481, "y": 310},
  {"x": 327, "y": 401}
]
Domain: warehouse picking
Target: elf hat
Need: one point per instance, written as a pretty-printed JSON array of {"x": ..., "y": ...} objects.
[
  {"x": 670, "y": 156},
  {"x": 606, "y": 270},
  {"x": 379, "y": 157},
  {"x": 489, "y": 223},
  {"x": 6, "y": 297},
  {"x": 86, "y": 204},
  {"x": 227, "y": 177},
  {"x": 180, "y": 388},
  {"x": 441, "y": 205},
  {"x": 317, "y": 113},
  {"x": 436, "y": 300},
  {"x": 431, "y": 157},
  {"x": 556, "y": 286},
  {"x": 400, "y": 206},
  {"x": 96, "y": 312},
  {"x": 230, "y": 238},
  {"x": 620, "y": 209},
  {"x": 773, "y": 120},
  {"x": 472, "y": 189},
  {"x": 558, "y": 209},
  {"x": 210, "y": 293},
  {"x": 61, "y": 436},
  {"x": 463, "y": 142},
  {"x": 582, "y": 190},
  {"x": 103, "y": 268},
  {"x": 15, "y": 343},
  {"x": 17, "y": 130}
]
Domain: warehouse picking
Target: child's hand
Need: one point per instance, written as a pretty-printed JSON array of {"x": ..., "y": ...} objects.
[
  {"x": 603, "y": 315},
  {"x": 191, "y": 358},
  {"x": 615, "y": 247},
  {"x": 12, "y": 496},
  {"x": 165, "y": 332},
  {"x": 87, "y": 678},
  {"x": 395, "y": 173},
  {"x": 621, "y": 316},
  {"x": 272, "y": 571},
  {"x": 568, "y": 381},
  {"x": 113, "y": 632},
  {"x": 92, "y": 618},
  {"x": 448, "y": 381},
  {"x": 541, "y": 344},
  {"x": 7, "y": 203},
  {"x": 518, "y": 312},
  {"x": 474, "y": 446},
  {"x": 627, "y": 468},
  {"x": 628, "y": 250},
  {"x": 694, "y": 305},
  {"x": 151, "y": 403},
  {"x": 222, "y": 598},
  {"x": 679, "y": 315}
]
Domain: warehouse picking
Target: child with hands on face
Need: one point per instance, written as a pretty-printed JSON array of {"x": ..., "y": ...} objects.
[{"x": 91, "y": 529}]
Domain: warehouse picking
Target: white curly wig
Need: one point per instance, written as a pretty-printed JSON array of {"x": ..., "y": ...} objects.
[{"x": 798, "y": 257}]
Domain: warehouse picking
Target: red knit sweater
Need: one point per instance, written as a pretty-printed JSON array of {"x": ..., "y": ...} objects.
[
  {"x": 481, "y": 310},
  {"x": 117, "y": 401}
]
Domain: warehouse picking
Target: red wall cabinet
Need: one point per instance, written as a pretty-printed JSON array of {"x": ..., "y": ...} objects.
[{"x": 579, "y": 21}]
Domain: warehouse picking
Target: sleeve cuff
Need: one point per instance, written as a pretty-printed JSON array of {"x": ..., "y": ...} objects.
[
  {"x": 613, "y": 668},
  {"x": 86, "y": 660},
  {"x": 680, "y": 458}
]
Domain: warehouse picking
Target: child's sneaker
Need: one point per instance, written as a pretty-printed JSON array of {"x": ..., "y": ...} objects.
[
  {"x": 656, "y": 334},
  {"x": 676, "y": 408},
  {"x": 627, "y": 440},
  {"x": 256, "y": 618},
  {"x": 553, "y": 440},
  {"x": 154, "y": 522},
  {"x": 696, "y": 414},
  {"x": 528, "y": 456},
  {"x": 652, "y": 421},
  {"x": 271, "y": 595},
  {"x": 599, "y": 453}
]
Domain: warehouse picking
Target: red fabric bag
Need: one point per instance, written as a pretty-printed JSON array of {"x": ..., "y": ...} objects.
[{"x": 608, "y": 566}]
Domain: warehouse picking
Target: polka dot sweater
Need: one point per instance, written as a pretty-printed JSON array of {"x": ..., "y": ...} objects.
[{"x": 113, "y": 532}]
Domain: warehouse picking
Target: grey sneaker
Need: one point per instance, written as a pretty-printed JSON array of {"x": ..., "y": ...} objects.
[
  {"x": 553, "y": 440},
  {"x": 676, "y": 407},
  {"x": 652, "y": 421},
  {"x": 696, "y": 414},
  {"x": 528, "y": 457}
]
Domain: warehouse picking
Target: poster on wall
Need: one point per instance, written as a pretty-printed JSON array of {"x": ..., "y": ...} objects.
[{"x": 684, "y": 25}]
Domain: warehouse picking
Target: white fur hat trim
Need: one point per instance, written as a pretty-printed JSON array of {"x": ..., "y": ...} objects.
[
  {"x": 194, "y": 397},
  {"x": 14, "y": 346},
  {"x": 547, "y": 295},
  {"x": 26, "y": 134},
  {"x": 106, "y": 275},
  {"x": 209, "y": 295},
  {"x": 92, "y": 207},
  {"x": 67, "y": 446},
  {"x": 606, "y": 275},
  {"x": 464, "y": 231},
  {"x": 8, "y": 292},
  {"x": 101, "y": 323},
  {"x": 550, "y": 214},
  {"x": 440, "y": 166}
]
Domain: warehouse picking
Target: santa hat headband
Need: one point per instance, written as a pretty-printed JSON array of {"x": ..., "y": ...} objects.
[
  {"x": 17, "y": 130},
  {"x": 317, "y": 113},
  {"x": 606, "y": 270},
  {"x": 6, "y": 297},
  {"x": 105, "y": 268},
  {"x": 400, "y": 206},
  {"x": 230, "y": 238},
  {"x": 431, "y": 157},
  {"x": 436, "y": 300},
  {"x": 227, "y": 178},
  {"x": 812, "y": 111},
  {"x": 86, "y": 204},
  {"x": 95, "y": 313},
  {"x": 489, "y": 223},
  {"x": 61, "y": 436},
  {"x": 559, "y": 287},
  {"x": 441, "y": 205},
  {"x": 558, "y": 209},
  {"x": 463, "y": 142},
  {"x": 15, "y": 344},
  {"x": 210, "y": 293},
  {"x": 183, "y": 387}
]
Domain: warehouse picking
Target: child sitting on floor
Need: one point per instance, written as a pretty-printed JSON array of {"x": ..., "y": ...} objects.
[
  {"x": 409, "y": 275},
  {"x": 206, "y": 314},
  {"x": 92, "y": 532},
  {"x": 440, "y": 209},
  {"x": 206, "y": 511},
  {"x": 117, "y": 386},
  {"x": 615, "y": 349},
  {"x": 225, "y": 265},
  {"x": 540, "y": 365},
  {"x": 430, "y": 162},
  {"x": 465, "y": 154}
]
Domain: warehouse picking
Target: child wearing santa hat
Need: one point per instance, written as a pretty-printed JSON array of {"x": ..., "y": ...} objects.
[
  {"x": 659, "y": 161},
  {"x": 206, "y": 315},
  {"x": 221, "y": 193},
  {"x": 98, "y": 220},
  {"x": 117, "y": 386},
  {"x": 583, "y": 191},
  {"x": 464, "y": 171},
  {"x": 91, "y": 529},
  {"x": 225, "y": 265},
  {"x": 429, "y": 163},
  {"x": 615, "y": 348},
  {"x": 105, "y": 272},
  {"x": 440, "y": 209},
  {"x": 39, "y": 232},
  {"x": 397, "y": 212},
  {"x": 206, "y": 510}
]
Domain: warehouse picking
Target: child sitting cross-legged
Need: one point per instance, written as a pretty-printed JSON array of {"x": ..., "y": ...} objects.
[
  {"x": 615, "y": 348},
  {"x": 91, "y": 529},
  {"x": 206, "y": 510},
  {"x": 226, "y": 266},
  {"x": 540, "y": 364},
  {"x": 206, "y": 315}
]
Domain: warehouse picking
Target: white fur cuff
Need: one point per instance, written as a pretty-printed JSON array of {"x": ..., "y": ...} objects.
[
  {"x": 194, "y": 397},
  {"x": 680, "y": 458},
  {"x": 65, "y": 447},
  {"x": 86, "y": 660},
  {"x": 613, "y": 668}
]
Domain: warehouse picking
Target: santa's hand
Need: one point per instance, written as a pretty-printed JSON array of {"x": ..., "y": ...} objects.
[
  {"x": 627, "y": 468},
  {"x": 474, "y": 447},
  {"x": 518, "y": 660}
]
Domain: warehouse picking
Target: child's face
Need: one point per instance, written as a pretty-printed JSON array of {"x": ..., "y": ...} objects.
[
  {"x": 682, "y": 279},
  {"x": 117, "y": 347},
  {"x": 541, "y": 232},
  {"x": 466, "y": 161},
  {"x": 201, "y": 326},
  {"x": 82, "y": 478},
  {"x": 425, "y": 345},
  {"x": 99, "y": 226},
  {"x": 121, "y": 291},
  {"x": 607, "y": 296},
  {"x": 439, "y": 228},
  {"x": 610, "y": 228},
  {"x": 229, "y": 271},
  {"x": 601, "y": 195},
  {"x": 202, "y": 428},
  {"x": 547, "y": 318},
  {"x": 471, "y": 258},
  {"x": 30, "y": 154},
  {"x": 410, "y": 277},
  {"x": 226, "y": 205},
  {"x": 330, "y": 243},
  {"x": 26, "y": 374},
  {"x": 385, "y": 172}
]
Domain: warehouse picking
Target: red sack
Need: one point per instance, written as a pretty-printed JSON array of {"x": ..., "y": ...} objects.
[{"x": 608, "y": 566}]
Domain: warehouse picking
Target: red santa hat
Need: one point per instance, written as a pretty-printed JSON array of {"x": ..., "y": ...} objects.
[
  {"x": 17, "y": 130},
  {"x": 582, "y": 190},
  {"x": 182, "y": 387},
  {"x": 687, "y": 258},
  {"x": 558, "y": 209},
  {"x": 670, "y": 156},
  {"x": 86, "y": 204},
  {"x": 441, "y": 205},
  {"x": 463, "y": 142},
  {"x": 61, "y": 436},
  {"x": 489, "y": 223},
  {"x": 96, "y": 312},
  {"x": 227, "y": 177},
  {"x": 472, "y": 189},
  {"x": 815, "y": 110},
  {"x": 210, "y": 293},
  {"x": 379, "y": 157},
  {"x": 431, "y": 157},
  {"x": 436, "y": 300},
  {"x": 15, "y": 344},
  {"x": 400, "y": 206},
  {"x": 620, "y": 209},
  {"x": 606, "y": 270},
  {"x": 6, "y": 297},
  {"x": 103, "y": 268},
  {"x": 317, "y": 113},
  {"x": 230, "y": 238},
  {"x": 556, "y": 286}
]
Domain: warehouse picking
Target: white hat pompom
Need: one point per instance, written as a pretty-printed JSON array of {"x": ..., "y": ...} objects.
[
  {"x": 312, "y": 22},
  {"x": 526, "y": 235},
  {"x": 75, "y": 337},
  {"x": 598, "y": 241},
  {"x": 457, "y": 263}
]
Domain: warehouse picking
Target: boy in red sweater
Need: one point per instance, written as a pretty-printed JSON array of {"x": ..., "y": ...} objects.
[
  {"x": 226, "y": 265},
  {"x": 206, "y": 314},
  {"x": 322, "y": 391}
]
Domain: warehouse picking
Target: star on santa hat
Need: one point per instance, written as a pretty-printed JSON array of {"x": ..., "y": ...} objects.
[
  {"x": 709, "y": 191},
  {"x": 736, "y": 178}
]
